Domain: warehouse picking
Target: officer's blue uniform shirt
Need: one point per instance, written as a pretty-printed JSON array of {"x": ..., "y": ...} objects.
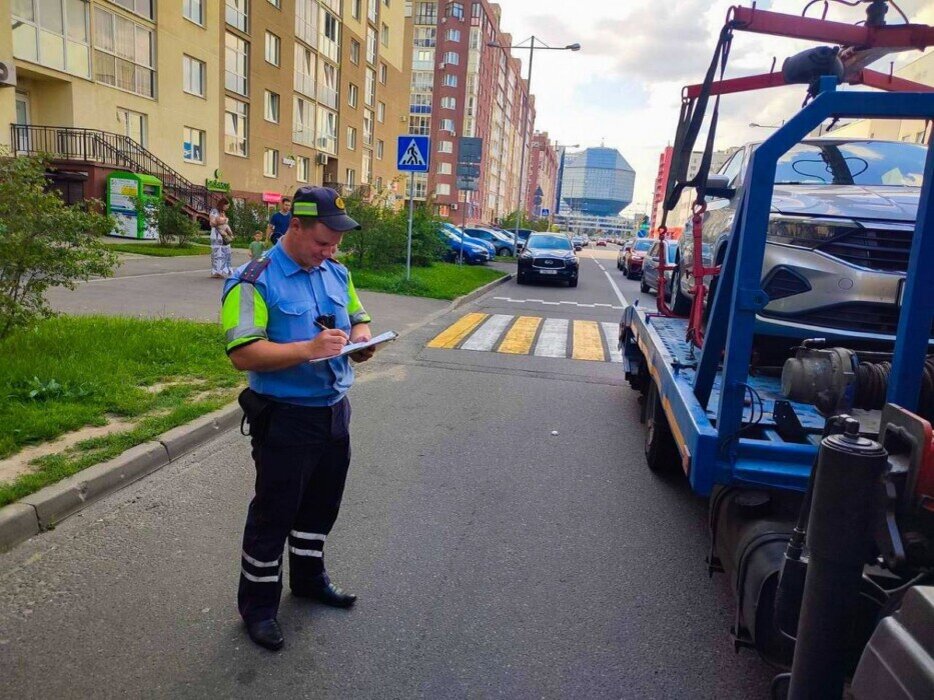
[{"x": 282, "y": 307}]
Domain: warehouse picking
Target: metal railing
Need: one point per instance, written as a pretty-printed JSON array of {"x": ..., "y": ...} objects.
[{"x": 107, "y": 148}]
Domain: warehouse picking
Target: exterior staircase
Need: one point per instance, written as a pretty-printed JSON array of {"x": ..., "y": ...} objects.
[{"x": 66, "y": 143}]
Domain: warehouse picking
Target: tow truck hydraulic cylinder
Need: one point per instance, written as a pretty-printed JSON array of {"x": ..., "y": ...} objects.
[{"x": 840, "y": 541}]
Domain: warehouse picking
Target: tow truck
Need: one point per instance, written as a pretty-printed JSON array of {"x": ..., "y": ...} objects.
[{"x": 821, "y": 481}]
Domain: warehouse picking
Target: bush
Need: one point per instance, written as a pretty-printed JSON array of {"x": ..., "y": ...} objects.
[
  {"x": 172, "y": 222},
  {"x": 45, "y": 243},
  {"x": 246, "y": 218},
  {"x": 382, "y": 240}
]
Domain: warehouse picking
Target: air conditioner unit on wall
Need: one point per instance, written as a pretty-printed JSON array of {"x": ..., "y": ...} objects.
[
  {"x": 7, "y": 73},
  {"x": 321, "y": 159}
]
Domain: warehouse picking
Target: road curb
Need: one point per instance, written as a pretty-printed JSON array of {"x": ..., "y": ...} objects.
[{"x": 48, "y": 507}]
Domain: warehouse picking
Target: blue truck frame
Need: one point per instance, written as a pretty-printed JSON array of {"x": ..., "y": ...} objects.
[{"x": 704, "y": 398}]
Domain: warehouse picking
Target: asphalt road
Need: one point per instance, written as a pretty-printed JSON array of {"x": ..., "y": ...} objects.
[{"x": 492, "y": 558}]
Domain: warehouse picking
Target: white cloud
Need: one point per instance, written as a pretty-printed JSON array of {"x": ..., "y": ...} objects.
[{"x": 657, "y": 46}]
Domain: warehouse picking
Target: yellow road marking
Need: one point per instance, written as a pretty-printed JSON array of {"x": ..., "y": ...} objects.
[
  {"x": 518, "y": 340},
  {"x": 587, "y": 342},
  {"x": 451, "y": 336}
]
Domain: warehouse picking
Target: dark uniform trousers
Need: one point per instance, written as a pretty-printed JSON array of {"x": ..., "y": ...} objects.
[{"x": 301, "y": 466}]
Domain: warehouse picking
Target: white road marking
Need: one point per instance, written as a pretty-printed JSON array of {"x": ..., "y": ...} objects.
[
  {"x": 611, "y": 333},
  {"x": 553, "y": 340},
  {"x": 485, "y": 337},
  {"x": 556, "y": 303},
  {"x": 619, "y": 294}
]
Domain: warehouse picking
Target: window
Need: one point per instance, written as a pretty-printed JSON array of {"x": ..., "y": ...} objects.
[
  {"x": 380, "y": 148},
  {"x": 275, "y": 3},
  {"x": 372, "y": 6},
  {"x": 236, "y": 14},
  {"x": 235, "y": 126},
  {"x": 366, "y": 170},
  {"x": 370, "y": 45},
  {"x": 355, "y": 9},
  {"x": 443, "y": 189},
  {"x": 352, "y": 95},
  {"x": 354, "y": 51},
  {"x": 419, "y": 125},
  {"x": 351, "y": 138},
  {"x": 193, "y": 76},
  {"x": 304, "y": 79},
  {"x": 455, "y": 10},
  {"x": 445, "y": 146},
  {"x": 426, "y": 13},
  {"x": 193, "y": 145},
  {"x": 327, "y": 131},
  {"x": 350, "y": 176},
  {"x": 379, "y": 184},
  {"x": 303, "y": 167},
  {"x": 271, "y": 106},
  {"x": 422, "y": 81},
  {"x": 425, "y": 37},
  {"x": 384, "y": 35},
  {"x": 236, "y": 63},
  {"x": 369, "y": 93},
  {"x": 383, "y": 73},
  {"x": 273, "y": 49},
  {"x": 133, "y": 124},
  {"x": 448, "y": 103},
  {"x": 193, "y": 10},
  {"x": 449, "y": 80},
  {"x": 123, "y": 54},
  {"x": 450, "y": 57},
  {"x": 271, "y": 162},
  {"x": 444, "y": 168},
  {"x": 330, "y": 37},
  {"x": 143, "y": 8},
  {"x": 447, "y": 125},
  {"x": 306, "y": 21},
  {"x": 367, "y": 127},
  {"x": 327, "y": 85},
  {"x": 423, "y": 59},
  {"x": 303, "y": 122},
  {"x": 381, "y": 112},
  {"x": 454, "y": 34}
]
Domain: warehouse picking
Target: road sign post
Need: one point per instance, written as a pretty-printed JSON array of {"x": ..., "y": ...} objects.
[{"x": 412, "y": 156}]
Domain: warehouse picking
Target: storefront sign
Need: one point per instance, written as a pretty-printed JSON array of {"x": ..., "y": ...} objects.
[
  {"x": 271, "y": 197},
  {"x": 217, "y": 185}
]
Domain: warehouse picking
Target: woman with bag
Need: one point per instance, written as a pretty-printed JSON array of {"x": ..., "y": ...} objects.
[{"x": 221, "y": 238}]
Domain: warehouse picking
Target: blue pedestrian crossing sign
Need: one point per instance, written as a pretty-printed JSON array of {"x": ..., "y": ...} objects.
[
  {"x": 413, "y": 153},
  {"x": 545, "y": 211}
]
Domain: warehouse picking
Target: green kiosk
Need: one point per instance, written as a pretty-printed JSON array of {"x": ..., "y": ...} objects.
[{"x": 124, "y": 191}]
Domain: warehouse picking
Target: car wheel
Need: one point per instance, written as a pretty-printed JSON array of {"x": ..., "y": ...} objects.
[
  {"x": 643, "y": 287},
  {"x": 661, "y": 453},
  {"x": 626, "y": 273},
  {"x": 520, "y": 278},
  {"x": 572, "y": 283},
  {"x": 619, "y": 265},
  {"x": 680, "y": 302}
]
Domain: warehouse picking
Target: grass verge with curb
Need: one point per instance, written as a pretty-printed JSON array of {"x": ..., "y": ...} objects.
[
  {"x": 158, "y": 250},
  {"x": 438, "y": 281}
]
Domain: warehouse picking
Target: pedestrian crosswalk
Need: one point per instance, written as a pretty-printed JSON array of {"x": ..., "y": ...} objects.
[{"x": 531, "y": 335}]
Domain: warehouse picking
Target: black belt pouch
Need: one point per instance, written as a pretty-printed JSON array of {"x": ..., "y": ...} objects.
[{"x": 257, "y": 410}]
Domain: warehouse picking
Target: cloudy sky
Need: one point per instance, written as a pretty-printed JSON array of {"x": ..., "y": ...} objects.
[{"x": 624, "y": 86}]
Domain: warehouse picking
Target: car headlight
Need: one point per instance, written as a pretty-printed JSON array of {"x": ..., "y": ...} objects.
[
  {"x": 807, "y": 232},
  {"x": 525, "y": 256}
]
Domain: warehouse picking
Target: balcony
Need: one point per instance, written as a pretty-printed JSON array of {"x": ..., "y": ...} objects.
[
  {"x": 327, "y": 96},
  {"x": 305, "y": 84}
]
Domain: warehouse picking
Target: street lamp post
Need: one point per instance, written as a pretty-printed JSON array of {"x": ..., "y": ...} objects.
[{"x": 542, "y": 46}]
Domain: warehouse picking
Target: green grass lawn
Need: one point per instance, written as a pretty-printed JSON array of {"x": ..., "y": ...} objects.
[
  {"x": 440, "y": 281},
  {"x": 71, "y": 372},
  {"x": 159, "y": 250}
]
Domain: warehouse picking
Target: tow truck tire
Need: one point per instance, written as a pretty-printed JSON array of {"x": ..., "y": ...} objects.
[
  {"x": 661, "y": 454},
  {"x": 680, "y": 302}
]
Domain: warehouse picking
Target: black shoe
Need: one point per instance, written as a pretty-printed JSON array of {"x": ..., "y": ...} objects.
[
  {"x": 321, "y": 589},
  {"x": 266, "y": 633}
]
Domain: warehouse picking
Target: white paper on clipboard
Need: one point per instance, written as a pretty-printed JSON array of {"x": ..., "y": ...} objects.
[{"x": 351, "y": 348}]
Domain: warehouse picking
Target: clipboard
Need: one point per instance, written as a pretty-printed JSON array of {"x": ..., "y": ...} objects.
[{"x": 351, "y": 348}]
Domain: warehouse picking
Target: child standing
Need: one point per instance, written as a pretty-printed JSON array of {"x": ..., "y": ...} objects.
[{"x": 257, "y": 247}]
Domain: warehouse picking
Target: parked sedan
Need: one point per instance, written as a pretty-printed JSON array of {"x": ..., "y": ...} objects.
[
  {"x": 473, "y": 253},
  {"x": 577, "y": 242},
  {"x": 650, "y": 268},
  {"x": 456, "y": 231},
  {"x": 629, "y": 260},
  {"x": 500, "y": 240},
  {"x": 548, "y": 256},
  {"x": 601, "y": 242}
]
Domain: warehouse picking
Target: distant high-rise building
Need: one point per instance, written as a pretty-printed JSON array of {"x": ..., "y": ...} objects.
[
  {"x": 542, "y": 176},
  {"x": 597, "y": 182}
]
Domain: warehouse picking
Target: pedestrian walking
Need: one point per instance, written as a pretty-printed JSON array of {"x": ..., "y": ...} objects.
[
  {"x": 279, "y": 222},
  {"x": 282, "y": 315},
  {"x": 221, "y": 238},
  {"x": 257, "y": 247}
]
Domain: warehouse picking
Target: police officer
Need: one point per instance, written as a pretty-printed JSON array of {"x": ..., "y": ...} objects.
[{"x": 292, "y": 306}]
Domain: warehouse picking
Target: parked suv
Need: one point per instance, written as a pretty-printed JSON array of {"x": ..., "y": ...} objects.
[{"x": 839, "y": 238}]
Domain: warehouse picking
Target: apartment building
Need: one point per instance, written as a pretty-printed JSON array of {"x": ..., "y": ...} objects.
[
  {"x": 246, "y": 92},
  {"x": 462, "y": 86},
  {"x": 374, "y": 97},
  {"x": 543, "y": 175}
]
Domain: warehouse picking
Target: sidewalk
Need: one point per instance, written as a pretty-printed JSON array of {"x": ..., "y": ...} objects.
[{"x": 182, "y": 287}]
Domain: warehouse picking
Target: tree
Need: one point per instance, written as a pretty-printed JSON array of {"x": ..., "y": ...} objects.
[
  {"x": 246, "y": 218},
  {"x": 509, "y": 222},
  {"x": 45, "y": 243},
  {"x": 172, "y": 222},
  {"x": 382, "y": 240}
]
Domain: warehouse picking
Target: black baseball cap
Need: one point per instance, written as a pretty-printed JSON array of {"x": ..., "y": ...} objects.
[{"x": 323, "y": 204}]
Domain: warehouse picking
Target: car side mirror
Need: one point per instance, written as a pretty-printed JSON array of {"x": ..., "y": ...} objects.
[{"x": 719, "y": 186}]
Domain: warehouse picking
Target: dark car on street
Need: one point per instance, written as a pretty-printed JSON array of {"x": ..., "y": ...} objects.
[
  {"x": 629, "y": 260},
  {"x": 838, "y": 239},
  {"x": 548, "y": 256},
  {"x": 650, "y": 268}
]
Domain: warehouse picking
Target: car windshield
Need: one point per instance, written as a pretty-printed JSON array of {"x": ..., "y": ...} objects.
[
  {"x": 549, "y": 242},
  {"x": 642, "y": 245},
  {"x": 874, "y": 163}
]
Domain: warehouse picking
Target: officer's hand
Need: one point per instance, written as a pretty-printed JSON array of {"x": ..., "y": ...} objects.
[
  {"x": 327, "y": 343},
  {"x": 361, "y": 334}
]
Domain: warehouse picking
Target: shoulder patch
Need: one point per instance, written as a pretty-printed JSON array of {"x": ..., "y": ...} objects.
[{"x": 253, "y": 271}]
